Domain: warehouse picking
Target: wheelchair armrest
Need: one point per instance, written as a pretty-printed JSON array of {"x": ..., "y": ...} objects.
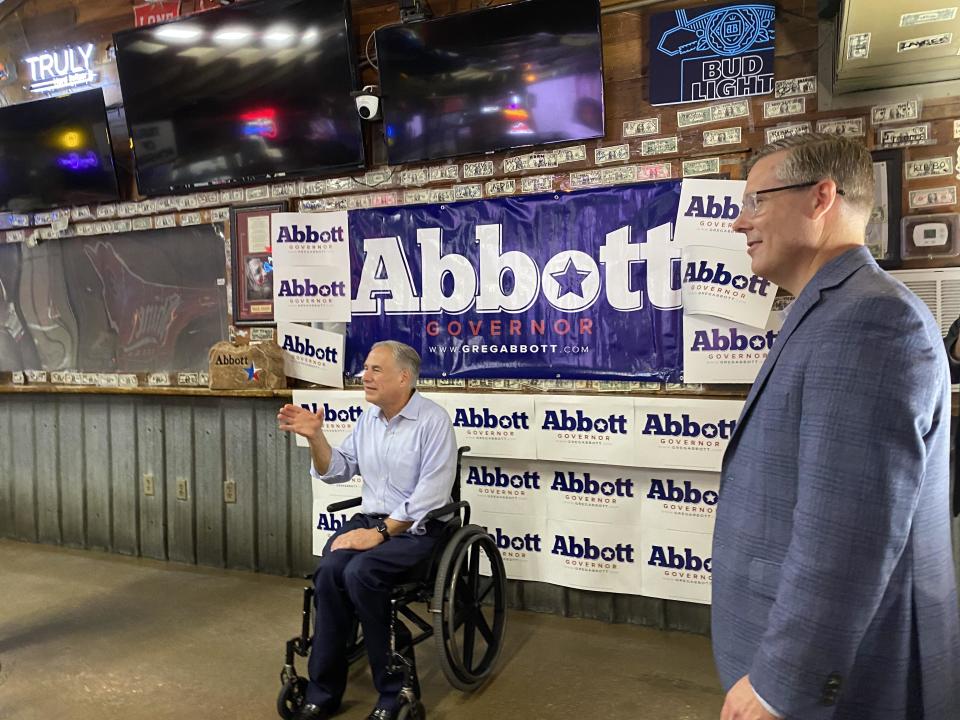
[
  {"x": 449, "y": 510},
  {"x": 344, "y": 504}
]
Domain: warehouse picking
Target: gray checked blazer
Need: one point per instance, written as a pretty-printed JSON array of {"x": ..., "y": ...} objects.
[{"x": 833, "y": 580}]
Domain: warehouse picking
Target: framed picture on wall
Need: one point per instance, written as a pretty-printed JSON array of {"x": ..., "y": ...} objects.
[
  {"x": 883, "y": 230},
  {"x": 252, "y": 273}
]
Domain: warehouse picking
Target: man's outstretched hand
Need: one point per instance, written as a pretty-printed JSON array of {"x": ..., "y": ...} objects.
[{"x": 293, "y": 418}]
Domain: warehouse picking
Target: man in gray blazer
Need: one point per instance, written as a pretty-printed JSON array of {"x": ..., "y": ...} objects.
[{"x": 833, "y": 583}]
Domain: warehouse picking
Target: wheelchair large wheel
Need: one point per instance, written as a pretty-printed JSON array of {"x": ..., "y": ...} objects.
[
  {"x": 469, "y": 609},
  {"x": 291, "y": 697}
]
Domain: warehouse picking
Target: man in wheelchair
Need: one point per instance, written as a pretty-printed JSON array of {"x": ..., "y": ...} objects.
[{"x": 405, "y": 449}]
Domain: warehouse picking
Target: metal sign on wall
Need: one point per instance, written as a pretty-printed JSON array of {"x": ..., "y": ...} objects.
[
  {"x": 155, "y": 12},
  {"x": 711, "y": 54}
]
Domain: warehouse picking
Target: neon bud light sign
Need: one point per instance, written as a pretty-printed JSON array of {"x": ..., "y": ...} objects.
[{"x": 58, "y": 69}]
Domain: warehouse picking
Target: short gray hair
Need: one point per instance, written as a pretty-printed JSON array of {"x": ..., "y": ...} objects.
[
  {"x": 406, "y": 357},
  {"x": 818, "y": 156}
]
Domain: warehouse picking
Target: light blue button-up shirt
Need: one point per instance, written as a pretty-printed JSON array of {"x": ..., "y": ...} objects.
[{"x": 408, "y": 464}]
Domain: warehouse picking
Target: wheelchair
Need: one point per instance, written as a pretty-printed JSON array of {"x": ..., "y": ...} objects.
[{"x": 467, "y": 612}]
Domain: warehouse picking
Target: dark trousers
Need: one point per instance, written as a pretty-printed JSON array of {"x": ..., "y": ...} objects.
[{"x": 350, "y": 584}]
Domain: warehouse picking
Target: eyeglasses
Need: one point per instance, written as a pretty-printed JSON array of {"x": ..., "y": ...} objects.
[{"x": 750, "y": 199}]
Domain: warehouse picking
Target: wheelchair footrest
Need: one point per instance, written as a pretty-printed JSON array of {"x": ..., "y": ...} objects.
[{"x": 405, "y": 590}]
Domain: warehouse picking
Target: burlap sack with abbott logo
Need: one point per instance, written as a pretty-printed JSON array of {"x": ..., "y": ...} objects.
[{"x": 246, "y": 367}]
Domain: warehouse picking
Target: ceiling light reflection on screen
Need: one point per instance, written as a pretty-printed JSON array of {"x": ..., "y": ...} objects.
[
  {"x": 232, "y": 35},
  {"x": 178, "y": 33},
  {"x": 279, "y": 36}
]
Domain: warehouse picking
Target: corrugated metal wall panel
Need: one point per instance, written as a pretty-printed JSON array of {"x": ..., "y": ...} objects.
[
  {"x": 273, "y": 496},
  {"x": 47, "y": 468},
  {"x": 6, "y": 472},
  {"x": 178, "y": 463},
  {"x": 240, "y": 468},
  {"x": 301, "y": 508},
  {"x": 24, "y": 468},
  {"x": 125, "y": 487},
  {"x": 592, "y": 605},
  {"x": 71, "y": 463},
  {"x": 151, "y": 461},
  {"x": 544, "y": 597},
  {"x": 207, "y": 483},
  {"x": 639, "y": 610},
  {"x": 95, "y": 450}
]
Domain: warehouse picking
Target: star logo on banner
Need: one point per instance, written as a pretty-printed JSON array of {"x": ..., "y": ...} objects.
[
  {"x": 570, "y": 279},
  {"x": 253, "y": 372}
]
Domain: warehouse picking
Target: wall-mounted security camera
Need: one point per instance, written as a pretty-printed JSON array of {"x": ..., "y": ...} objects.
[
  {"x": 414, "y": 11},
  {"x": 368, "y": 102}
]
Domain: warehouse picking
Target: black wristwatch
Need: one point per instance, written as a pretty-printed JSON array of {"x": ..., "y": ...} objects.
[{"x": 382, "y": 529}]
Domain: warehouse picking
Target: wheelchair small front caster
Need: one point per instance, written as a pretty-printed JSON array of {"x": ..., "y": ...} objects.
[
  {"x": 291, "y": 697},
  {"x": 412, "y": 711}
]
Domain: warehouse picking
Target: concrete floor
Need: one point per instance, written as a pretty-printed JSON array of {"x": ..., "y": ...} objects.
[{"x": 87, "y": 636}]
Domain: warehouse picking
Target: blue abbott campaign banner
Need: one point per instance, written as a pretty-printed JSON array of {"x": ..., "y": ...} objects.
[
  {"x": 712, "y": 53},
  {"x": 578, "y": 285}
]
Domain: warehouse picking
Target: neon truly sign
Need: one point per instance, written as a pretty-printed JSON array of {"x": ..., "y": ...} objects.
[{"x": 58, "y": 69}]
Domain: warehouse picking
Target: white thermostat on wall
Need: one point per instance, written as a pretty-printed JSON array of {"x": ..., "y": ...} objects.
[{"x": 931, "y": 234}]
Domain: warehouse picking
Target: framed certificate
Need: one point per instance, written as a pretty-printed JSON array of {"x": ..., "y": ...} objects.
[
  {"x": 252, "y": 270},
  {"x": 883, "y": 230}
]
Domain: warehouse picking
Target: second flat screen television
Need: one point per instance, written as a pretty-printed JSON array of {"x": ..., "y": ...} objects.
[
  {"x": 56, "y": 152},
  {"x": 526, "y": 73},
  {"x": 248, "y": 92}
]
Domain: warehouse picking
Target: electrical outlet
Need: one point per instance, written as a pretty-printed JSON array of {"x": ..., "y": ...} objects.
[
  {"x": 148, "y": 484},
  {"x": 230, "y": 491},
  {"x": 182, "y": 488}
]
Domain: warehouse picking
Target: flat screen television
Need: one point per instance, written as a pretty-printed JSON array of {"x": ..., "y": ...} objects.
[
  {"x": 56, "y": 152},
  {"x": 248, "y": 92},
  {"x": 526, "y": 73}
]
